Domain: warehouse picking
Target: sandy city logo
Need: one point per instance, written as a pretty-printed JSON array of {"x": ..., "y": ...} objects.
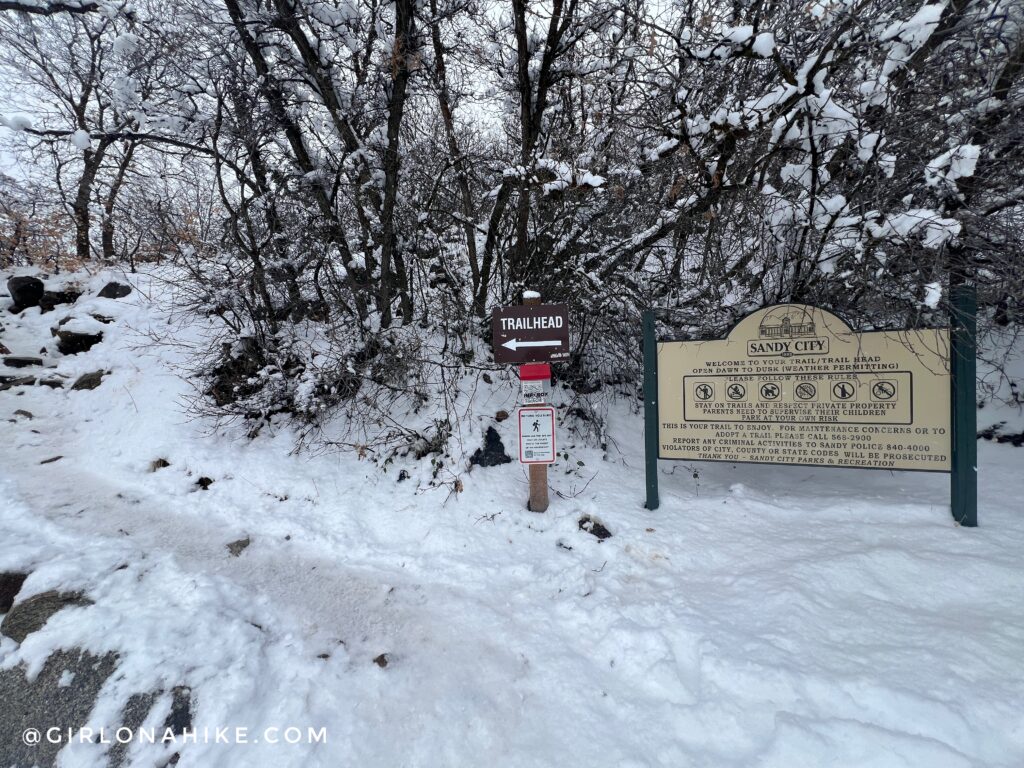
[{"x": 786, "y": 332}]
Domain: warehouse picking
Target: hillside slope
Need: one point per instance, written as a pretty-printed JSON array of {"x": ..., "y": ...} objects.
[{"x": 762, "y": 617}]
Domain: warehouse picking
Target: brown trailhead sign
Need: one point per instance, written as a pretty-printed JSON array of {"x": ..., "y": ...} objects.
[
  {"x": 537, "y": 333},
  {"x": 793, "y": 384}
]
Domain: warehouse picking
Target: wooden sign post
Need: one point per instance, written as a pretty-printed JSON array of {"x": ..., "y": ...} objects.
[
  {"x": 533, "y": 335},
  {"x": 539, "y": 472}
]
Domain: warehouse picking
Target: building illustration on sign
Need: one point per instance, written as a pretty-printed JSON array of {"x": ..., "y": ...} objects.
[
  {"x": 793, "y": 384},
  {"x": 785, "y": 323},
  {"x": 787, "y": 332}
]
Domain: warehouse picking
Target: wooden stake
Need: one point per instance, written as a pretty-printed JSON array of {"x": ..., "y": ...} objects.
[{"x": 538, "y": 472}]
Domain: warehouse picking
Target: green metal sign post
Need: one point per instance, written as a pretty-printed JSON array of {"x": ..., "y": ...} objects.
[
  {"x": 963, "y": 351},
  {"x": 651, "y": 409}
]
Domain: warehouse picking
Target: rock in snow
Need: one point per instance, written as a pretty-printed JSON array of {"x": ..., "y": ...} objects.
[
  {"x": 114, "y": 290},
  {"x": 88, "y": 381},
  {"x": 10, "y": 584},
  {"x": 10, "y": 382},
  {"x": 22, "y": 362},
  {"x": 32, "y": 700},
  {"x": 72, "y": 343},
  {"x": 25, "y": 291},
  {"x": 594, "y": 527},
  {"x": 237, "y": 547},
  {"x": 50, "y": 299},
  {"x": 30, "y": 615},
  {"x": 492, "y": 454}
]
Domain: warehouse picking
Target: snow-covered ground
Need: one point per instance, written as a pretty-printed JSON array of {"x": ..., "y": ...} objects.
[{"x": 764, "y": 616}]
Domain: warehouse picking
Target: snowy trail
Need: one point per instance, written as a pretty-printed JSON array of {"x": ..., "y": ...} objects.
[
  {"x": 315, "y": 592},
  {"x": 762, "y": 617},
  {"x": 715, "y": 675}
]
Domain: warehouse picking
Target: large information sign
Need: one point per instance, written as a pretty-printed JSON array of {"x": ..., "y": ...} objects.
[{"x": 793, "y": 384}]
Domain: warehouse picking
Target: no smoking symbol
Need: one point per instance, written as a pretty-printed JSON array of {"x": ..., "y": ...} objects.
[
  {"x": 736, "y": 391},
  {"x": 806, "y": 391},
  {"x": 883, "y": 390},
  {"x": 770, "y": 391},
  {"x": 704, "y": 391}
]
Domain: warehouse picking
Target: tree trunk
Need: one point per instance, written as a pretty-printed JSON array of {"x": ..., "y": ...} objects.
[
  {"x": 107, "y": 232},
  {"x": 392, "y": 271},
  {"x": 80, "y": 206},
  {"x": 461, "y": 175}
]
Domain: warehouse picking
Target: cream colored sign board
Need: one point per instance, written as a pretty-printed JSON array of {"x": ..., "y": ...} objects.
[{"x": 793, "y": 384}]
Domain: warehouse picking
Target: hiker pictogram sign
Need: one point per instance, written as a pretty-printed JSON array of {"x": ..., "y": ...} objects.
[{"x": 537, "y": 435}]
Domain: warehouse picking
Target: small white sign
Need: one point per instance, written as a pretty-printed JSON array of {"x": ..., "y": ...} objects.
[
  {"x": 537, "y": 435},
  {"x": 535, "y": 392}
]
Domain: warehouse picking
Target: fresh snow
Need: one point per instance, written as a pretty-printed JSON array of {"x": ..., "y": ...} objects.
[
  {"x": 126, "y": 43},
  {"x": 662, "y": 149},
  {"x": 738, "y": 35},
  {"x": 764, "y": 45},
  {"x": 763, "y": 616},
  {"x": 80, "y": 139},
  {"x": 934, "y": 229},
  {"x": 908, "y": 36},
  {"x": 16, "y": 122},
  {"x": 867, "y": 145},
  {"x": 956, "y": 163},
  {"x": 918, "y": 28}
]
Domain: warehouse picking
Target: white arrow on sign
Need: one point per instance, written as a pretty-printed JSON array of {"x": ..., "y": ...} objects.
[{"x": 514, "y": 344}]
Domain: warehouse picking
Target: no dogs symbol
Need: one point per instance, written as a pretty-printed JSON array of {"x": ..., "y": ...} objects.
[{"x": 770, "y": 391}]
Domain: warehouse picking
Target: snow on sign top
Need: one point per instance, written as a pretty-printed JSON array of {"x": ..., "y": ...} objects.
[{"x": 537, "y": 333}]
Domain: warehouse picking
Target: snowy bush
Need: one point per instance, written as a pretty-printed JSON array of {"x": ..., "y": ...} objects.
[{"x": 353, "y": 186}]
